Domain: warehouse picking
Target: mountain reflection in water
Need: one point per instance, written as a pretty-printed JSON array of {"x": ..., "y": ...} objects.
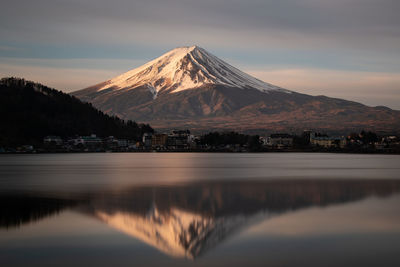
[
  {"x": 187, "y": 220},
  {"x": 16, "y": 210}
]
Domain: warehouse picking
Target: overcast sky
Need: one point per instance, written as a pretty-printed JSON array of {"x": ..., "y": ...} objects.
[{"x": 342, "y": 48}]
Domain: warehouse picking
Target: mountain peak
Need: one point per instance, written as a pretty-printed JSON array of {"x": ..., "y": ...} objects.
[
  {"x": 183, "y": 68},
  {"x": 180, "y": 51},
  {"x": 188, "y": 49},
  {"x": 188, "y": 87}
]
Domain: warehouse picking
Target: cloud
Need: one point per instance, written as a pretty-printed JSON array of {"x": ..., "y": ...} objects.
[
  {"x": 359, "y": 32},
  {"x": 343, "y": 48},
  {"x": 343, "y": 22}
]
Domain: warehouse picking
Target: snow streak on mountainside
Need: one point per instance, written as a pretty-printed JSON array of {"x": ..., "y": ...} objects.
[{"x": 186, "y": 68}]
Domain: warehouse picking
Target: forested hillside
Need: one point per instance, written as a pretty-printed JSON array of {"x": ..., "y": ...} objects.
[{"x": 30, "y": 111}]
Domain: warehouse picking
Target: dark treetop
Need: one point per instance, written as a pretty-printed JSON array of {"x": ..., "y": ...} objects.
[{"x": 30, "y": 111}]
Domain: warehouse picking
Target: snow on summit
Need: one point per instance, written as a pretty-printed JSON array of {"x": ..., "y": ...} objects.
[
  {"x": 190, "y": 86},
  {"x": 186, "y": 68}
]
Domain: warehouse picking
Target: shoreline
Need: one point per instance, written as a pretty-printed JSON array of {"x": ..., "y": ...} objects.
[{"x": 370, "y": 152}]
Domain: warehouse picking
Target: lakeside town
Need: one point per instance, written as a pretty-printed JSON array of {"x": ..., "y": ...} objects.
[
  {"x": 39, "y": 119},
  {"x": 184, "y": 141}
]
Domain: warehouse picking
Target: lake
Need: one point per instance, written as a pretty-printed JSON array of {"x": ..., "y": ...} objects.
[{"x": 200, "y": 209}]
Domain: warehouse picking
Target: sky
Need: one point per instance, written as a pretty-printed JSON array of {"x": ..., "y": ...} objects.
[{"x": 344, "y": 48}]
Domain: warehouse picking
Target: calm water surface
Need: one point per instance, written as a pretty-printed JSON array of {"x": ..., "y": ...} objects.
[{"x": 200, "y": 209}]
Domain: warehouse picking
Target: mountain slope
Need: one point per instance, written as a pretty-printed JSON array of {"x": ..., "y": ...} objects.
[
  {"x": 30, "y": 111},
  {"x": 189, "y": 87},
  {"x": 181, "y": 69}
]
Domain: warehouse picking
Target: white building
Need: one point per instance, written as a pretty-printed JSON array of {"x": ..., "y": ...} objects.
[
  {"x": 327, "y": 141},
  {"x": 281, "y": 140}
]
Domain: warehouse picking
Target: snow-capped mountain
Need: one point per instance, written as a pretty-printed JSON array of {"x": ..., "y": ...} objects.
[
  {"x": 185, "y": 68},
  {"x": 189, "y": 87}
]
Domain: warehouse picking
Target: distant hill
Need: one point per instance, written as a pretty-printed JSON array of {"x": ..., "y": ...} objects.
[
  {"x": 30, "y": 111},
  {"x": 189, "y": 88}
]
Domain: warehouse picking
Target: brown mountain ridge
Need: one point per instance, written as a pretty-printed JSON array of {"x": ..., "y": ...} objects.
[{"x": 190, "y": 88}]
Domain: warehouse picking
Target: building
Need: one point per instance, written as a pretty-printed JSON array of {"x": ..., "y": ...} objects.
[
  {"x": 159, "y": 141},
  {"x": 280, "y": 140},
  {"x": 123, "y": 143},
  {"x": 111, "y": 142},
  {"x": 52, "y": 140},
  {"x": 193, "y": 141},
  {"x": 327, "y": 141},
  {"x": 147, "y": 139},
  {"x": 91, "y": 141},
  {"x": 178, "y": 140},
  {"x": 263, "y": 140}
]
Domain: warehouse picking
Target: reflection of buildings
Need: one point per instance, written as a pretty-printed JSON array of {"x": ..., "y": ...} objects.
[{"x": 188, "y": 220}]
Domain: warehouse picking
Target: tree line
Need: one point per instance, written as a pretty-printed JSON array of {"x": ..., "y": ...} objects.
[{"x": 30, "y": 111}]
